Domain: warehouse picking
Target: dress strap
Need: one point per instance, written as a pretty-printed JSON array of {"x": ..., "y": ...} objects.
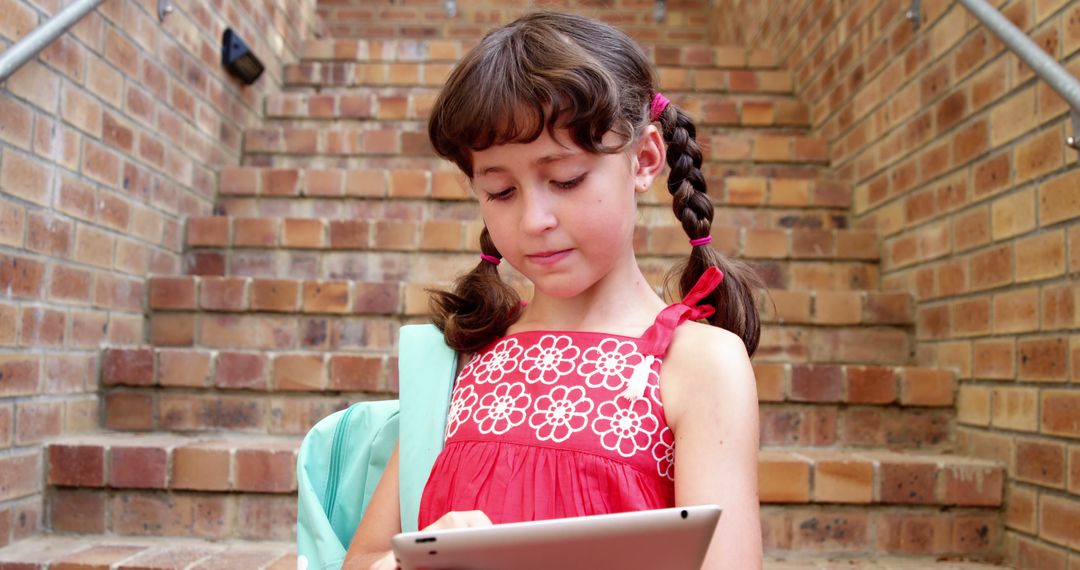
[{"x": 656, "y": 339}]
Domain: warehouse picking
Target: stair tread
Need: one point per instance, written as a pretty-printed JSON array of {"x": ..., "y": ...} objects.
[
  {"x": 266, "y": 464},
  {"x": 48, "y": 551},
  {"x": 38, "y": 552}
]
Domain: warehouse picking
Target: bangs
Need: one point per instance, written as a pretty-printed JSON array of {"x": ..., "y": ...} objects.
[{"x": 512, "y": 87}]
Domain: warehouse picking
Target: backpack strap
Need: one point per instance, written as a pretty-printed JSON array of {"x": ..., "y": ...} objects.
[{"x": 426, "y": 370}]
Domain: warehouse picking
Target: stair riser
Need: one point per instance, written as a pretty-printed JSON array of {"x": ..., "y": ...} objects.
[
  {"x": 408, "y": 50},
  {"x": 403, "y": 107},
  {"x": 808, "y": 532},
  {"x": 378, "y": 141},
  {"x": 836, "y": 532},
  {"x": 344, "y": 297}
]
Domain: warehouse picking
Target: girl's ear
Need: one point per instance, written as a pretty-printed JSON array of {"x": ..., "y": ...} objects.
[{"x": 649, "y": 157}]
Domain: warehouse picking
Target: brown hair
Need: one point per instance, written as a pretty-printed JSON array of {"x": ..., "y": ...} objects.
[{"x": 550, "y": 70}]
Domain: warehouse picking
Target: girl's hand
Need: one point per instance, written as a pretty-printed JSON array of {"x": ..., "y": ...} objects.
[
  {"x": 460, "y": 519},
  {"x": 387, "y": 562}
]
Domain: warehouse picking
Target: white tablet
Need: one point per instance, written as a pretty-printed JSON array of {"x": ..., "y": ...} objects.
[{"x": 673, "y": 539}]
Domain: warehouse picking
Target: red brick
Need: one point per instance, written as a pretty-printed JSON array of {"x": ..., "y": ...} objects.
[
  {"x": 265, "y": 471},
  {"x": 992, "y": 268},
  {"x": 77, "y": 465},
  {"x": 1044, "y": 359},
  {"x": 129, "y": 411},
  {"x": 1058, "y": 199},
  {"x": 21, "y": 374},
  {"x": 302, "y": 372},
  {"x": 995, "y": 359},
  {"x": 1016, "y": 311},
  {"x": 1040, "y": 462},
  {"x": 356, "y": 373},
  {"x": 223, "y": 294},
  {"x": 1061, "y": 413},
  {"x": 37, "y": 421},
  {"x": 49, "y": 235},
  {"x": 843, "y": 481},
  {"x": 77, "y": 511},
  {"x": 183, "y": 368},
  {"x": 21, "y": 276},
  {"x": 275, "y": 295},
  {"x": 326, "y": 297},
  {"x": 131, "y": 367},
  {"x": 783, "y": 479},
  {"x": 208, "y": 232},
  {"x": 907, "y": 483},
  {"x": 200, "y": 467},
  {"x": 871, "y": 385},
  {"x": 137, "y": 467},
  {"x": 172, "y": 329},
  {"x": 242, "y": 370},
  {"x": 1059, "y": 519},
  {"x": 255, "y": 232},
  {"x": 238, "y": 181},
  {"x": 302, "y": 233},
  {"x": 280, "y": 182},
  {"x": 816, "y": 383},
  {"x": 172, "y": 293},
  {"x": 1040, "y": 257},
  {"x": 1059, "y": 307}
]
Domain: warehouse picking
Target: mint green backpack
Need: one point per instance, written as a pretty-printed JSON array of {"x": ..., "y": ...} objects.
[{"x": 343, "y": 457}]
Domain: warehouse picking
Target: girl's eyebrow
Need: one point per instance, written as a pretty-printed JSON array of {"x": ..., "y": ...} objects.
[{"x": 542, "y": 160}]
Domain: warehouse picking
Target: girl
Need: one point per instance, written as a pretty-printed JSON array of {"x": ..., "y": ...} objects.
[{"x": 596, "y": 396}]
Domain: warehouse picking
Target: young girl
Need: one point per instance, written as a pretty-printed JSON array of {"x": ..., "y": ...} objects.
[{"x": 596, "y": 396}]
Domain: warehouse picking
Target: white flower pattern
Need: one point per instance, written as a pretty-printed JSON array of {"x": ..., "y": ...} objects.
[
  {"x": 625, "y": 427},
  {"x": 610, "y": 364},
  {"x": 498, "y": 362},
  {"x": 664, "y": 454},
  {"x": 563, "y": 386},
  {"x": 560, "y": 413},
  {"x": 461, "y": 407},
  {"x": 549, "y": 359},
  {"x": 502, "y": 409}
]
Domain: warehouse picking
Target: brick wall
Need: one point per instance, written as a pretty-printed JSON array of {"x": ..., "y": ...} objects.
[
  {"x": 956, "y": 155},
  {"x": 427, "y": 19},
  {"x": 754, "y": 22},
  {"x": 108, "y": 140}
]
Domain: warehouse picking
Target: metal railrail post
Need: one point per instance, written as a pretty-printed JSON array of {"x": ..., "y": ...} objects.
[
  {"x": 25, "y": 49},
  {"x": 1049, "y": 70}
]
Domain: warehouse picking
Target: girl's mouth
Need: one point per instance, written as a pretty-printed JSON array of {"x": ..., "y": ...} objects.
[{"x": 549, "y": 257}]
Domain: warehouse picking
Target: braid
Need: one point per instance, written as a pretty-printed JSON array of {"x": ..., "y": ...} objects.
[
  {"x": 481, "y": 306},
  {"x": 734, "y": 299}
]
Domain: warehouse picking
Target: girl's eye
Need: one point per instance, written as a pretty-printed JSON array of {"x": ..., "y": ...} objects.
[
  {"x": 499, "y": 196},
  {"x": 571, "y": 183}
]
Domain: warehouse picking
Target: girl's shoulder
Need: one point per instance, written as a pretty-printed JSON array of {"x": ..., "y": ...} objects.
[{"x": 704, "y": 365}]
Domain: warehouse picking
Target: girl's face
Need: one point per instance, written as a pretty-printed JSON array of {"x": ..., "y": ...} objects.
[{"x": 561, "y": 216}]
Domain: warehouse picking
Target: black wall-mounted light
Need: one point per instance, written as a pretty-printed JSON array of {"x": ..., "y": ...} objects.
[{"x": 238, "y": 59}]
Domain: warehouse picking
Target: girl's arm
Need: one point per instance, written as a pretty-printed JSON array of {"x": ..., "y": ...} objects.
[
  {"x": 712, "y": 407},
  {"x": 381, "y": 521}
]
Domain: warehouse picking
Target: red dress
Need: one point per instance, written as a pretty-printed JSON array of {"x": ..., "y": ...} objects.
[{"x": 553, "y": 424}]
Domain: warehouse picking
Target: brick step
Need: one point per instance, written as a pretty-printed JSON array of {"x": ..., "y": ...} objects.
[
  {"x": 451, "y": 50},
  {"x": 430, "y": 267},
  {"x": 351, "y": 297},
  {"x": 751, "y": 189},
  {"x": 319, "y": 371},
  {"x": 380, "y": 139},
  {"x": 44, "y": 552},
  {"x": 833, "y": 533},
  {"x": 454, "y": 236},
  {"x": 300, "y": 110},
  {"x": 264, "y": 464},
  {"x": 854, "y": 344},
  {"x": 356, "y": 208},
  {"x": 682, "y": 25},
  {"x": 92, "y": 551}
]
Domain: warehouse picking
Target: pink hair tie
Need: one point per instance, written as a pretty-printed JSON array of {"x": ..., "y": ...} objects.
[
  {"x": 490, "y": 259},
  {"x": 701, "y": 241},
  {"x": 659, "y": 103}
]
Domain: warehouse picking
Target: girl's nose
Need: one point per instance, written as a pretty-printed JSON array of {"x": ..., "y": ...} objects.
[{"x": 538, "y": 213}]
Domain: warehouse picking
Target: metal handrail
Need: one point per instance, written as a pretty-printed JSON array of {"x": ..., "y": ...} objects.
[
  {"x": 1046, "y": 67},
  {"x": 27, "y": 48}
]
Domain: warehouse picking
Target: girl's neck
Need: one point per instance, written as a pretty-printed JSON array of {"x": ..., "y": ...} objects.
[{"x": 622, "y": 302}]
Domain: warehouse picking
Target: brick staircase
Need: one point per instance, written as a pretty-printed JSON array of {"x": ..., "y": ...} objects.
[{"x": 340, "y": 216}]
